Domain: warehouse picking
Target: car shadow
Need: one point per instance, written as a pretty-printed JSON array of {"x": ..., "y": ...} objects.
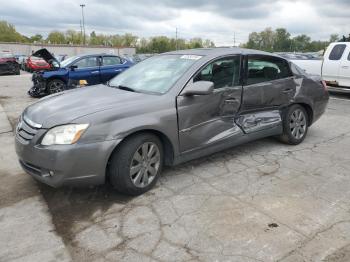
[{"x": 68, "y": 206}]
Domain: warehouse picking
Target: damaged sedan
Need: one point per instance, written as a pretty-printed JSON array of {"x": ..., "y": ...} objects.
[
  {"x": 68, "y": 74},
  {"x": 166, "y": 110}
]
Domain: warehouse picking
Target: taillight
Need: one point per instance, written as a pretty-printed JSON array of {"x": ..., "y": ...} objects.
[{"x": 324, "y": 84}]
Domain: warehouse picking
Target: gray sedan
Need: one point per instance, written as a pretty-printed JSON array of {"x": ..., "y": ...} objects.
[{"x": 166, "y": 110}]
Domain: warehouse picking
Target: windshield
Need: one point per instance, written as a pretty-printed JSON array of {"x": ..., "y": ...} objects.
[
  {"x": 156, "y": 74},
  {"x": 69, "y": 60}
]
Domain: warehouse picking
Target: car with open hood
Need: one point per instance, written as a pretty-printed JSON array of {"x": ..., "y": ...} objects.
[
  {"x": 166, "y": 110},
  {"x": 62, "y": 75}
]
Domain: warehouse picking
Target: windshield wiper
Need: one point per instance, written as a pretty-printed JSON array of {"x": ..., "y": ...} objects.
[{"x": 126, "y": 88}]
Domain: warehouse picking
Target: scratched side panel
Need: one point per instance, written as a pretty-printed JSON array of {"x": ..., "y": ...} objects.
[{"x": 258, "y": 121}]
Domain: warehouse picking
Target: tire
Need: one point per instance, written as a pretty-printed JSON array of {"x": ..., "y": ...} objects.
[
  {"x": 55, "y": 86},
  {"x": 295, "y": 125},
  {"x": 131, "y": 171},
  {"x": 18, "y": 71}
]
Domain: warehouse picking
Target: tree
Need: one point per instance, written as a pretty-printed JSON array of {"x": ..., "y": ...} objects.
[
  {"x": 73, "y": 37},
  {"x": 8, "y": 33},
  {"x": 56, "y": 37},
  {"x": 36, "y": 38},
  {"x": 333, "y": 38},
  {"x": 282, "y": 40},
  {"x": 301, "y": 43}
]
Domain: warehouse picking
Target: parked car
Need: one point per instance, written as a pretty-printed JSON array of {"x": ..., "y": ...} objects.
[
  {"x": 166, "y": 110},
  {"x": 8, "y": 64},
  {"x": 336, "y": 66},
  {"x": 93, "y": 68},
  {"x": 34, "y": 64},
  {"x": 21, "y": 60},
  {"x": 61, "y": 58}
]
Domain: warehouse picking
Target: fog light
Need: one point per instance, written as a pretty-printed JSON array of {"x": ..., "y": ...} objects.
[{"x": 51, "y": 173}]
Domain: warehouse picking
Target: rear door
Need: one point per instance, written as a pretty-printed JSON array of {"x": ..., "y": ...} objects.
[
  {"x": 332, "y": 62},
  {"x": 344, "y": 70},
  {"x": 111, "y": 66},
  {"x": 269, "y": 86},
  {"x": 87, "y": 68},
  {"x": 207, "y": 119}
]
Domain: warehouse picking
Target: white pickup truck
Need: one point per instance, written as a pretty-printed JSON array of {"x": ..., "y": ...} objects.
[{"x": 334, "y": 68}]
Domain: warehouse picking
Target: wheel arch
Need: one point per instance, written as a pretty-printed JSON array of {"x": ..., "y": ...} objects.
[
  {"x": 166, "y": 142},
  {"x": 309, "y": 111}
]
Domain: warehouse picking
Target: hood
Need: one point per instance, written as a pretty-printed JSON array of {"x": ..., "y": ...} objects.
[
  {"x": 46, "y": 55},
  {"x": 65, "y": 107}
]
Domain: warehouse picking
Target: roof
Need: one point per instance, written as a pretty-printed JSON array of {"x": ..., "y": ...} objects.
[{"x": 218, "y": 51}]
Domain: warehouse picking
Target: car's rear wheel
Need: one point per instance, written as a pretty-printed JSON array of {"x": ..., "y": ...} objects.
[
  {"x": 136, "y": 165},
  {"x": 295, "y": 125},
  {"x": 55, "y": 86}
]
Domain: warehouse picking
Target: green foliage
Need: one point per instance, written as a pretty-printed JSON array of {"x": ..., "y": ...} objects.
[
  {"x": 8, "y": 33},
  {"x": 161, "y": 44},
  {"x": 56, "y": 37},
  {"x": 280, "y": 40}
]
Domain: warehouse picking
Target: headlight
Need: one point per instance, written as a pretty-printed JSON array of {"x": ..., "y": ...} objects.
[{"x": 64, "y": 135}]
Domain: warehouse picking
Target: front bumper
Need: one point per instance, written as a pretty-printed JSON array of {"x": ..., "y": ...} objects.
[{"x": 61, "y": 165}]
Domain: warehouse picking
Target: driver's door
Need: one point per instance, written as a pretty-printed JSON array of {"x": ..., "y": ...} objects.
[
  {"x": 207, "y": 119},
  {"x": 86, "y": 68}
]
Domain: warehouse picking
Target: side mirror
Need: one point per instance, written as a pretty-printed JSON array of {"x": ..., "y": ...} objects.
[
  {"x": 73, "y": 67},
  {"x": 199, "y": 88}
]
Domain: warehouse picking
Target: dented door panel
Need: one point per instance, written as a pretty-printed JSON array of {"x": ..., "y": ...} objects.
[
  {"x": 207, "y": 119},
  {"x": 259, "y": 121},
  {"x": 266, "y": 95}
]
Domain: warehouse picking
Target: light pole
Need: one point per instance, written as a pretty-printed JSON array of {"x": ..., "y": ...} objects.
[{"x": 82, "y": 13}]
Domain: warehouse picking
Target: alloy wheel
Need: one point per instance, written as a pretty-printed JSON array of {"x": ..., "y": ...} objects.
[
  {"x": 145, "y": 164},
  {"x": 298, "y": 124},
  {"x": 56, "y": 86}
]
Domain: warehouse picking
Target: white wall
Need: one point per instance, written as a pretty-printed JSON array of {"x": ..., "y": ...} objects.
[{"x": 70, "y": 50}]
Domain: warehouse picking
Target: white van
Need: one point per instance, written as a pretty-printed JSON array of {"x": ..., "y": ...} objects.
[{"x": 336, "y": 65}]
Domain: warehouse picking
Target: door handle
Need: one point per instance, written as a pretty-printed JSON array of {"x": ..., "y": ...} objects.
[
  {"x": 288, "y": 90},
  {"x": 345, "y": 67},
  {"x": 231, "y": 101},
  {"x": 118, "y": 70},
  {"x": 95, "y": 72}
]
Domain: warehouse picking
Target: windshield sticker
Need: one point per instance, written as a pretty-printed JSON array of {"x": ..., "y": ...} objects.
[{"x": 191, "y": 57}]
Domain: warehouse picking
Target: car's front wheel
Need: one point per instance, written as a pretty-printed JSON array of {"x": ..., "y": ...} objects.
[
  {"x": 295, "y": 125},
  {"x": 55, "y": 86},
  {"x": 135, "y": 166}
]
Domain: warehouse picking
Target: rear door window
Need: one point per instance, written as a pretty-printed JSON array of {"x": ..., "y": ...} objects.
[
  {"x": 111, "y": 60},
  {"x": 264, "y": 68},
  {"x": 349, "y": 57},
  {"x": 337, "y": 52}
]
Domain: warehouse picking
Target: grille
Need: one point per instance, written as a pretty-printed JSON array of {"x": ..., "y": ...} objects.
[{"x": 25, "y": 132}]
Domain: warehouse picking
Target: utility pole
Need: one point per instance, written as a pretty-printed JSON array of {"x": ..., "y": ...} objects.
[
  {"x": 81, "y": 32},
  {"x": 82, "y": 14},
  {"x": 234, "y": 39},
  {"x": 176, "y": 39}
]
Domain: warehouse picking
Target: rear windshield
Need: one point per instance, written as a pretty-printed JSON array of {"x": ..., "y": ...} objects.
[{"x": 337, "y": 52}]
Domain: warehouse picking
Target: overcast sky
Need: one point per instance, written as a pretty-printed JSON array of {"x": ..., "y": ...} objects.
[{"x": 217, "y": 20}]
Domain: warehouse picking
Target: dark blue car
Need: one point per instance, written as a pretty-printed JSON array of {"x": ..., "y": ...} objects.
[{"x": 93, "y": 69}]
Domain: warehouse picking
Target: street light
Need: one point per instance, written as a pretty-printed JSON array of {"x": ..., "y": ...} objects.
[{"x": 82, "y": 13}]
